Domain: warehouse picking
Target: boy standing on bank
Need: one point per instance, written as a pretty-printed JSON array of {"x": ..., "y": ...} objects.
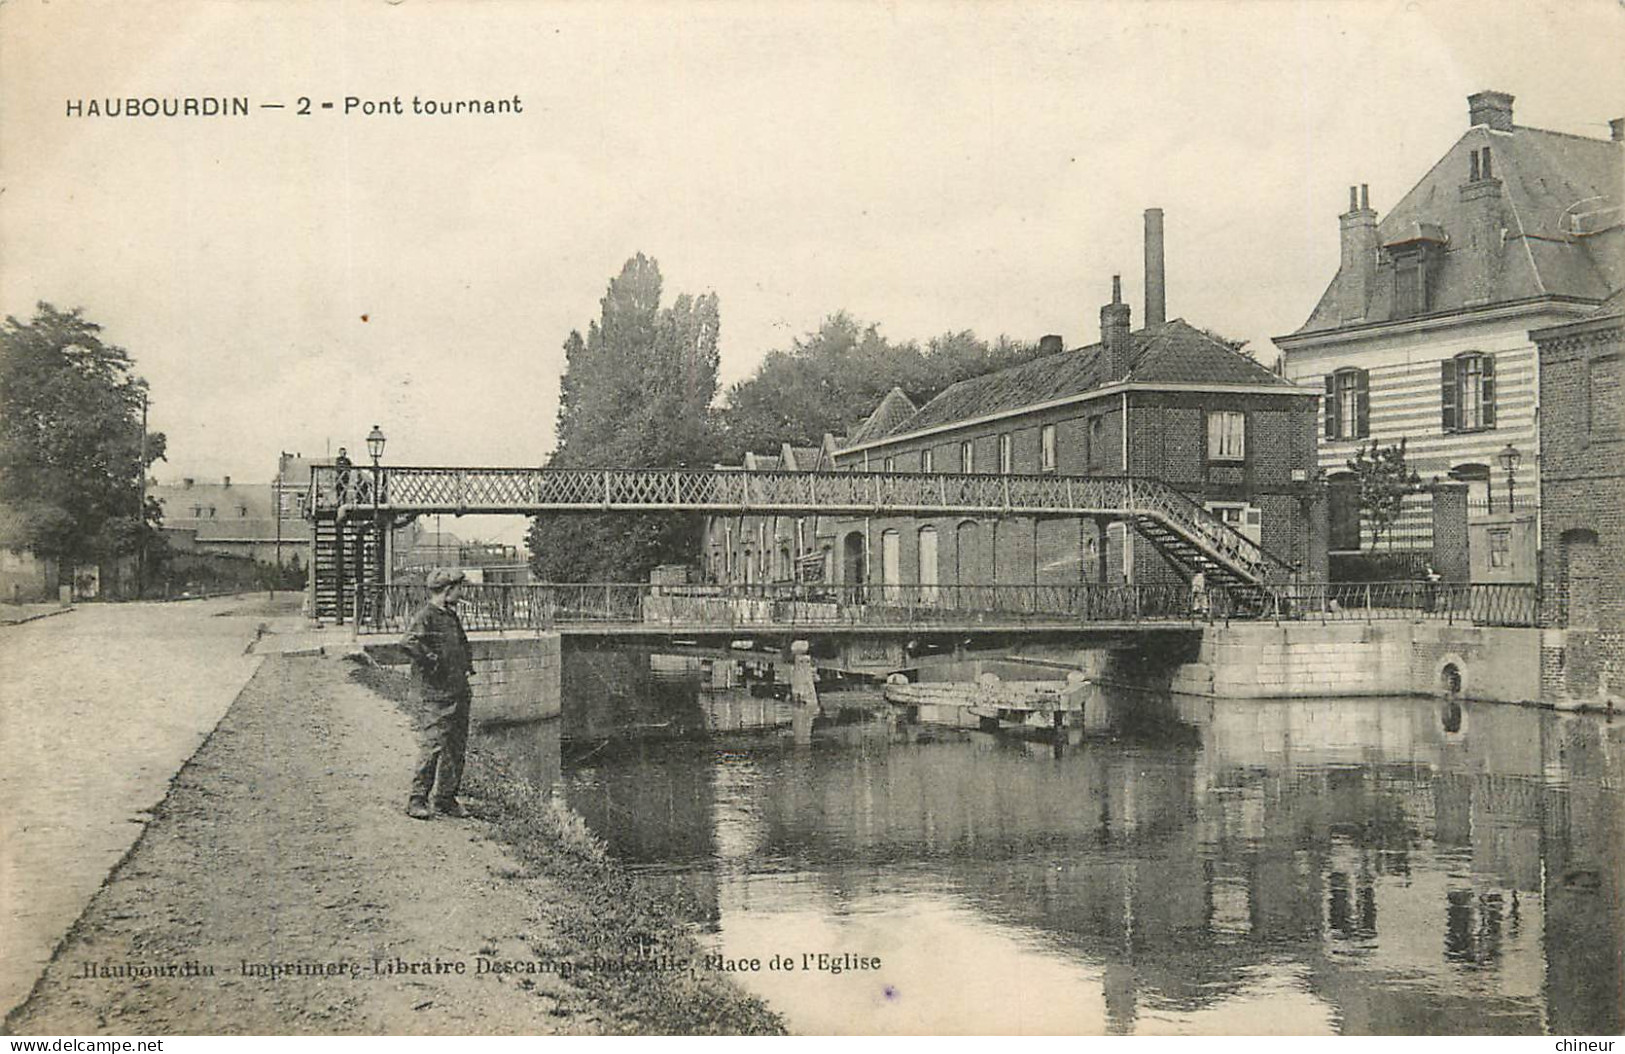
[{"x": 441, "y": 665}]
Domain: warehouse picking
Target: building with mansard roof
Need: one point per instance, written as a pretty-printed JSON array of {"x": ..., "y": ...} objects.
[
  {"x": 1423, "y": 333},
  {"x": 1169, "y": 401}
]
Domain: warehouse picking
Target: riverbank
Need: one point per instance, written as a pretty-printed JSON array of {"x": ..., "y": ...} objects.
[{"x": 281, "y": 889}]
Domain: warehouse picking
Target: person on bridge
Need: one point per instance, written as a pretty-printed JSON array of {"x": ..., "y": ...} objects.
[
  {"x": 342, "y": 466},
  {"x": 442, "y": 662}
]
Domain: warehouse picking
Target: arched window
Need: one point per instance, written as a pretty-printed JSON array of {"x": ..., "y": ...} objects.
[
  {"x": 1467, "y": 392},
  {"x": 891, "y": 565},
  {"x": 928, "y": 565},
  {"x": 852, "y": 559},
  {"x": 968, "y": 562}
]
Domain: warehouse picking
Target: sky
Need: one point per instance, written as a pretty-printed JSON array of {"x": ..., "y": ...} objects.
[{"x": 286, "y": 281}]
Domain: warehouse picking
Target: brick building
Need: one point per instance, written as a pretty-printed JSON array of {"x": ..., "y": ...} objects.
[
  {"x": 1582, "y": 514},
  {"x": 240, "y": 520},
  {"x": 753, "y": 549},
  {"x": 1423, "y": 334},
  {"x": 1169, "y": 401}
]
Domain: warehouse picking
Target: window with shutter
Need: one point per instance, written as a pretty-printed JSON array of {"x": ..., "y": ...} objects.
[
  {"x": 1447, "y": 395},
  {"x": 1362, "y": 400},
  {"x": 1467, "y": 389},
  {"x": 1331, "y": 406},
  {"x": 1351, "y": 388}
]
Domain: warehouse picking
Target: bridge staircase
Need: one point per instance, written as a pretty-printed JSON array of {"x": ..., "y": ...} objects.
[
  {"x": 1192, "y": 539},
  {"x": 345, "y": 552}
]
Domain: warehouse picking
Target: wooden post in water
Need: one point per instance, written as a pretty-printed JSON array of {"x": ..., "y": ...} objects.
[{"x": 803, "y": 692}]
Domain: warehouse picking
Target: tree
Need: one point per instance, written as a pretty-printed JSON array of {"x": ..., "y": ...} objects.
[
  {"x": 831, "y": 378},
  {"x": 636, "y": 392},
  {"x": 1383, "y": 479},
  {"x": 72, "y": 456}
]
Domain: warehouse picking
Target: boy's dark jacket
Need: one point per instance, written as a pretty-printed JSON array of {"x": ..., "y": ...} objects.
[{"x": 441, "y": 657}]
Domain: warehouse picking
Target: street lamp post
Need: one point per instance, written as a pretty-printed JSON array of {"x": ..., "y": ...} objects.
[
  {"x": 1509, "y": 458},
  {"x": 375, "y": 447}
]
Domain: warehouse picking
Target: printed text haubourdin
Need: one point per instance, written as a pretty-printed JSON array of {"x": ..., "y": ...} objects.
[{"x": 302, "y": 106}]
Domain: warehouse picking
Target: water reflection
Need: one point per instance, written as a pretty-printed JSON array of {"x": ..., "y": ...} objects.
[{"x": 1357, "y": 866}]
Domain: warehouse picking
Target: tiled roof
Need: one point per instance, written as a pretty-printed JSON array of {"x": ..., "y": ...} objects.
[
  {"x": 802, "y": 458},
  {"x": 1173, "y": 353},
  {"x": 893, "y": 410},
  {"x": 1562, "y": 213}
]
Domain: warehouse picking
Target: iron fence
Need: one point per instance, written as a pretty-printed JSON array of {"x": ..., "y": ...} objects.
[
  {"x": 487, "y": 606},
  {"x": 791, "y": 605},
  {"x": 1484, "y": 604}
]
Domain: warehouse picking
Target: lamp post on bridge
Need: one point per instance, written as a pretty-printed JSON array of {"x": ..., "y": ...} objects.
[{"x": 375, "y": 448}]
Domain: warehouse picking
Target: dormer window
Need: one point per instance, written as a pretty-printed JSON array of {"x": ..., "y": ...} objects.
[{"x": 1414, "y": 252}]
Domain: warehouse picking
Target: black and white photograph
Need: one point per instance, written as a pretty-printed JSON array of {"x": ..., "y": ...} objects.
[{"x": 908, "y": 518}]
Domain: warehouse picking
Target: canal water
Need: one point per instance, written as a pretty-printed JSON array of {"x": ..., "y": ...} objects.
[{"x": 1307, "y": 867}]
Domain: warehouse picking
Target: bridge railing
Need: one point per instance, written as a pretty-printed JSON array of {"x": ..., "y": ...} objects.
[
  {"x": 354, "y": 491},
  {"x": 386, "y": 609},
  {"x": 784, "y": 606},
  {"x": 1476, "y": 604},
  {"x": 479, "y": 489}
]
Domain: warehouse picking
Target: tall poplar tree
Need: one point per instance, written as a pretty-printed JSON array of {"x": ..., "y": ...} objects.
[{"x": 636, "y": 392}]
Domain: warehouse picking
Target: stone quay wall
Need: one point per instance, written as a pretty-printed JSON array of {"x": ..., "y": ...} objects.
[
  {"x": 517, "y": 678},
  {"x": 1311, "y": 660}
]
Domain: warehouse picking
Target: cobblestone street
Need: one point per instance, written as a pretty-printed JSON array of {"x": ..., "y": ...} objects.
[{"x": 102, "y": 705}]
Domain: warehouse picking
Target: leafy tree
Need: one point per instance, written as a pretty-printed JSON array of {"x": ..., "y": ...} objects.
[
  {"x": 636, "y": 392},
  {"x": 71, "y": 452},
  {"x": 831, "y": 378},
  {"x": 1384, "y": 479}
]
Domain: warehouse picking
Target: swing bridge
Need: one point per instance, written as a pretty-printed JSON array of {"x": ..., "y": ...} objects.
[{"x": 352, "y": 510}]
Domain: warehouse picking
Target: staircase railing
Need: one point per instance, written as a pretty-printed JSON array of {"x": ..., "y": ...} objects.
[{"x": 1223, "y": 542}]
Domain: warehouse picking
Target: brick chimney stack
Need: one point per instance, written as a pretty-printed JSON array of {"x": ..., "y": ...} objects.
[
  {"x": 1483, "y": 238},
  {"x": 1115, "y": 343},
  {"x": 1357, "y": 269},
  {"x": 1156, "y": 290},
  {"x": 1492, "y": 109}
]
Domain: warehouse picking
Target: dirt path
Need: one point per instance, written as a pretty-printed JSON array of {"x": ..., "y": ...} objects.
[
  {"x": 281, "y": 889},
  {"x": 283, "y": 841},
  {"x": 102, "y": 706}
]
